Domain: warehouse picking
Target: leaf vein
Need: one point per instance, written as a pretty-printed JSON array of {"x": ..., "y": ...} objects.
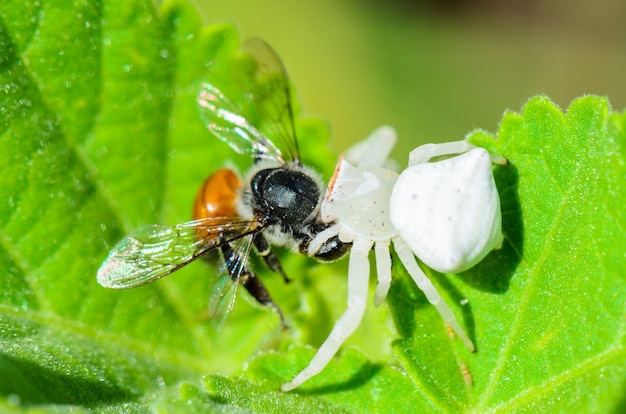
[
  {"x": 549, "y": 387},
  {"x": 525, "y": 298}
]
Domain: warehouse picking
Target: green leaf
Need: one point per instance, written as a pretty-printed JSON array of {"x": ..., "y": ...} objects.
[
  {"x": 99, "y": 133},
  {"x": 95, "y": 99},
  {"x": 353, "y": 385}
]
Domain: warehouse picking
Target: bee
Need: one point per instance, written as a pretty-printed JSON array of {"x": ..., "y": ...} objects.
[{"x": 277, "y": 203}]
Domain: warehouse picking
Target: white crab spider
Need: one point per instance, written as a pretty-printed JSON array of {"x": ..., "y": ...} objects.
[{"x": 446, "y": 212}]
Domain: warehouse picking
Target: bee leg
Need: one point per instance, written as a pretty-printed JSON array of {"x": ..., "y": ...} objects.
[
  {"x": 259, "y": 292},
  {"x": 270, "y": 259},
  {"x": 249, "y": 280}
]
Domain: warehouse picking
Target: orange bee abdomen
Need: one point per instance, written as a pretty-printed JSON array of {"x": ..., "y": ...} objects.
[{"x": 218, "y": 196}]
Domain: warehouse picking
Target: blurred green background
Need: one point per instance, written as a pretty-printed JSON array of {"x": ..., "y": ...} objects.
[{"x": 435, "y": 69}]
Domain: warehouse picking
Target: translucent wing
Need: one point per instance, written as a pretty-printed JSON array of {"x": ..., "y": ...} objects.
[
  {"x": 225, "y": 288},
  {"x": 272, "y": 97},
  {"x": 225, "y": 121},
  {"x": 153, "y": 251},
  {"x": 264, "y": 128}
]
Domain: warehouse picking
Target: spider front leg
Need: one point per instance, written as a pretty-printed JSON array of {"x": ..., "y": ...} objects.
[
  {"x": 424, "y": 153},
  {"x": 358, "y": 275},
  {"x": 374, "y": 150},
  {"x": 421, "y": 280}
]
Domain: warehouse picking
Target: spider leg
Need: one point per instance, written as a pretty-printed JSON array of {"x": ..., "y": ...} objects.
[
  {"x": 317, "y": 243},
  {"x": 383, "y": 270},
  {"x": 408, "y": 260},
  {"x": 358, "y": 275},
  {"x": 374, "y": 150},
  {"x": 424, "y": 153}
]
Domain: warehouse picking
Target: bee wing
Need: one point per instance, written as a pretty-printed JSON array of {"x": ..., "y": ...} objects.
[
  {"x": 153, "y": 251},
  {"x": 222, "y": 300},
  {"x": 225, "y": 121},
  {"x": 272, "y": 97},
  {"x": 264, "y": 127}
]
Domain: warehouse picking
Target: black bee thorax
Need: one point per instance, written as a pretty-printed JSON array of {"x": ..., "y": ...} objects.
[{"x": 285, "y": 196}]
